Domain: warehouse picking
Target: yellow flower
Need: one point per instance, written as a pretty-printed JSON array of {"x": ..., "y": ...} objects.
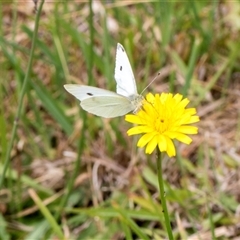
[{"x": 163, "y": 118}]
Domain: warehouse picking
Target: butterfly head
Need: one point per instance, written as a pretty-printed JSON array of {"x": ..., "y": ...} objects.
[{"x": 137, "y": 102}]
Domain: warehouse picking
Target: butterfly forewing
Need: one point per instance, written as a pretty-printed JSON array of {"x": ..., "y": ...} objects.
[
  {"x": 124, "y": 77},
  {"x": 82, "y": 92}
]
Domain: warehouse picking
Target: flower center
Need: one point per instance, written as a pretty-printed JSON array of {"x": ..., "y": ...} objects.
[{"x": 160, "y": 125}]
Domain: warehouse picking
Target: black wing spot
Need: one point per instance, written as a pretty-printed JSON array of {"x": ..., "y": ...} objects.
[
  {"x": 90, "y": 94},
  {"x": 120, "y": 68}
]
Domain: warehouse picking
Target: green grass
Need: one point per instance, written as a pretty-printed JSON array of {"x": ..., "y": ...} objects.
[{"x": 73, "y": 175}]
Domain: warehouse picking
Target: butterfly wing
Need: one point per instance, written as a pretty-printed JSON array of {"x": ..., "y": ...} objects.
[
  {"x": 99, "y": 101},
  {"x": 107, "y": 106},
  {"x": 124, "y": 77},
  {"x": 82, "y": 92}
]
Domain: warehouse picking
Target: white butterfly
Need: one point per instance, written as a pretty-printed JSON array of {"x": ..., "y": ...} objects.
[{"x": 109, "y": 104}]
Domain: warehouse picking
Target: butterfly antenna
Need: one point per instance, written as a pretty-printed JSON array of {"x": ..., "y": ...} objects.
[{"x": 150, "y": 83}]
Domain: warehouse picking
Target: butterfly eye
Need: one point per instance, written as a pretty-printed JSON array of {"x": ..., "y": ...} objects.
[{"x": 90, "y": 94}]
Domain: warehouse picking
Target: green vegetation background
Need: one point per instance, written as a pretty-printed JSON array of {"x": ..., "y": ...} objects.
[{"x": 72, "y": 175}]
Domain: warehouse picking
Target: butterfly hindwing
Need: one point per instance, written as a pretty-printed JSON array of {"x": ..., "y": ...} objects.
[{"x": 110, "y": 106}]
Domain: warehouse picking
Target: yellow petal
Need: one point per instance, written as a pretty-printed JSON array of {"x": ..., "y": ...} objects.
[
  {"x": 145, "y": 139},
  {"x": 191, "y": 111},
  {"x": 151, "y": 145},
  {"x": 178, "y": 97},
  {"x": 183, "y": 138},
  {"x": 170, "y": 148},
  {"x": 133, "y": 119},
  {"x": 162, "y": 143},
  {"x": 138, "y": 130},
  {"x": 188, "y": 129},
  {"x": 184, "y": 103},
  {"x": 193, "y": 119},
  {"x": 150, "y": 98}
]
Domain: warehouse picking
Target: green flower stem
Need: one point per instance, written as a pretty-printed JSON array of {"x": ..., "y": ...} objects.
[
  {"x": 162, "y": 195},
  {"x": 22, "y": 94}
]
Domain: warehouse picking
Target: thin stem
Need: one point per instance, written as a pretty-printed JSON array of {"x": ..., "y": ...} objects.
[
  {"x": 162, "y": 195},
  {"x": 22, "y": 94}
]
